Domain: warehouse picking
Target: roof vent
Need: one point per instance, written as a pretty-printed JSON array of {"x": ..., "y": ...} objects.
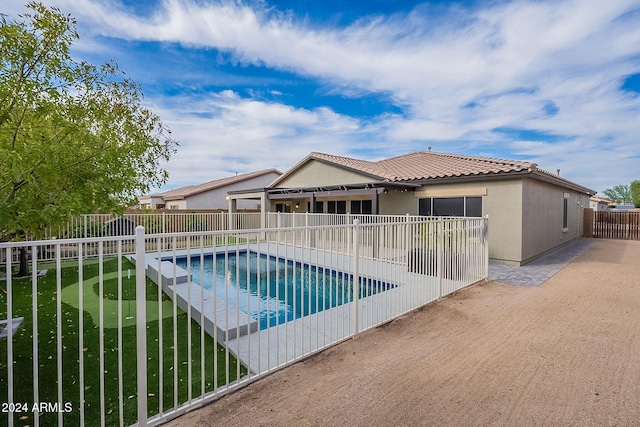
[
  {"x": 429, "y": 148},
  {"x": 558, "y": 172}
]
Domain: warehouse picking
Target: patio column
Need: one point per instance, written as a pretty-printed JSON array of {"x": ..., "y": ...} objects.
[
  {"x": 374, "y": 211},
  {"x": 312, "y": 209},
  {"x": 233, "y": 205},
  {"x": 263, "y": 209},
  {"x": 374, "y": 202}
]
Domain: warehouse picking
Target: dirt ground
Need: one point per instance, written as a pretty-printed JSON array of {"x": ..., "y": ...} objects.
[{"x": 566, "y": 353}]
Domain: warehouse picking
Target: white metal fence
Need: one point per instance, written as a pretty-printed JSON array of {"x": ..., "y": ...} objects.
[
  {"x": 100, "y": 225},
  {"x": 129, "y": 336}
]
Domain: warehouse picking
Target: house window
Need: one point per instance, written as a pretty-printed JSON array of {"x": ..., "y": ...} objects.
[
  {"x": 473, "y": 207},
  {"x": 450, "y": 206},
  {"x": 361, "y": 207},
  {"x": 283, "y": 207},
  {"x": 424, "y": 206},
  {"x": 565, "y": 213},
  {"x": 337, "y": 206}
]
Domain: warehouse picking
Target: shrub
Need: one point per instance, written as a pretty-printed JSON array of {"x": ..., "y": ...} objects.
[{"x": 635, "y": 193}]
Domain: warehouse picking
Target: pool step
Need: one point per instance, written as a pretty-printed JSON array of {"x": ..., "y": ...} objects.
[
  {"x": 166, "y": 276},
  {"x": 220, "y": 321}
]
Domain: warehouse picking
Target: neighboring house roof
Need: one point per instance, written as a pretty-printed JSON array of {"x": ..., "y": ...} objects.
[
  {"x": 599, "y": 199},
  {"x": 182, "y": 193},
  {"x": 429, "y": 165}
]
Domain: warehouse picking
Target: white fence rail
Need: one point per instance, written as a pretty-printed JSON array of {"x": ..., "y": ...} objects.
[
  {"x": 100, "y": 225},
  {"x": 76, "y": 334}
]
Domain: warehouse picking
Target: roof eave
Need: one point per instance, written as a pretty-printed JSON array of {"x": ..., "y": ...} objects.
[
  {"x": 535, "y": 174},
  {"x": 311, "y": 157},
  {"x": 562, "y": 182},
  {"x": 173, "y": 198}
]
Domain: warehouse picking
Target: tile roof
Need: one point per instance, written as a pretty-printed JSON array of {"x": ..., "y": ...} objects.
[
  {"x": 430, "y": 165},
  {"x": 190, "y": 190},
  {"x": 422, "y": 165}
]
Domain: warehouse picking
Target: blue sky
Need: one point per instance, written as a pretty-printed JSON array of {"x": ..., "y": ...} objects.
[{"x": 255, "y": 84}]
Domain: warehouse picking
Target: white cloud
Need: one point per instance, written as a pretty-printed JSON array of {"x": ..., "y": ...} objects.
[
  {"x": 243, "y": 135},
  {"x": 509, "y": 58}
]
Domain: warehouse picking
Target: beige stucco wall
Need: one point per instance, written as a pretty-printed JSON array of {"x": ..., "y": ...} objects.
[
  {"x": 315, "y": 173},
  {"x": 501, "y": 201},
  {"x": 503, "y": 204},
  {"x": 176, "y": 204},
  {"x": 525, "y": 215},
  {"x": 542, "y": 217},
  {"x": 397, "y": 203}
]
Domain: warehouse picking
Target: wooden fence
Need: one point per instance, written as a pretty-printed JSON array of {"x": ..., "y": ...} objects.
[{"x": 612, "y": 225}]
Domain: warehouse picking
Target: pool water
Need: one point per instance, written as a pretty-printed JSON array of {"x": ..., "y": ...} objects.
[{"x": 274, "y": 291}]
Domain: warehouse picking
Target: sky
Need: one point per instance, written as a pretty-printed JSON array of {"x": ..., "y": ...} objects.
[{"x": 246, "y": 85}]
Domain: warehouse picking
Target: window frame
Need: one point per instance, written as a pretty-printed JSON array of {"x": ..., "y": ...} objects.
[
  {"x": 565, "y": 213},
  {"x": 429, "y": 206},
  {"x": 361, "y": 207}
]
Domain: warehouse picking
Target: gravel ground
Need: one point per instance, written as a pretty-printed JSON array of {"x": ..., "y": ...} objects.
[{"x": 565, "y": 353}]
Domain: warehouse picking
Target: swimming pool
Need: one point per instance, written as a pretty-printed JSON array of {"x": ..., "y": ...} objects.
[{"x": 274, "y": 291}]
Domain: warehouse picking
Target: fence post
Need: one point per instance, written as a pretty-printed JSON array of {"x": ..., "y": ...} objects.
[
  {"x": 141, "y": 326},
  {"x": 9, "y": 326},
  {"x": 588, "y": 217},
  {"x": 439, "y": 253},
  {"x": 410, "y": 246},
  {"x": 356, "y": 274},
  {"x": 485, "y": 247},
  {"x": 307, "y": 231}
]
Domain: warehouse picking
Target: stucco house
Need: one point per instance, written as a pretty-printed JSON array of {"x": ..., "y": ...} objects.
[
  {"x": 212, "y": 194},
  {"x": 599, "y": 204},
  {"x": 531, "y": 211}
]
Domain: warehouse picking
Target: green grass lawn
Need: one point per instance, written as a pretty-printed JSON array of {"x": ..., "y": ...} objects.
[{"x": 227, "y": 369}]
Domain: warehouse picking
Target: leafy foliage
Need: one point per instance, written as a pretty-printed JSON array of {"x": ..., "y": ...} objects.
[
  {"x": 74, "y": 137},
  {"x": 619, "y": 193},
  {"x": 635, "y": 193}
]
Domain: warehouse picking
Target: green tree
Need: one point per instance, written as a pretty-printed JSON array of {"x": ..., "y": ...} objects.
[
  {"x": 619, "y": 193},
  {"x": 74, "y": 137},
  {"x": 635, "y": 193}
]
